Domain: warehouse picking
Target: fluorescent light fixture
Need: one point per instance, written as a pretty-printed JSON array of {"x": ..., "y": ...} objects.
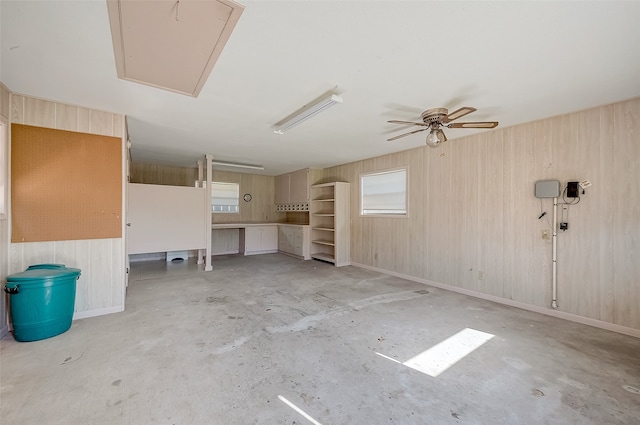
[
  {"x": 306, "y": 112},
  {"x": 237, "y": 165}
]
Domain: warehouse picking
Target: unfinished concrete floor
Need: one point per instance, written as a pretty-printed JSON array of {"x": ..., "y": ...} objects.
[{"x": 262, "y": 336}]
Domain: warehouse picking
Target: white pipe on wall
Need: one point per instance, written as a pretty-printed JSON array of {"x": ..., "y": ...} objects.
[
  {"x": 554, "y": 279},
  {"x": 201, "y": 252},
  {"x": 209, "y": 176}
]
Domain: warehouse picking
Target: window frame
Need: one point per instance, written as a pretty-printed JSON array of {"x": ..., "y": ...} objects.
[{"x": 363, "y": 175}]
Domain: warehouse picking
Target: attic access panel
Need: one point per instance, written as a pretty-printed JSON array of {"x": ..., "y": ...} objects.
[{"x": 170, "y": 44}]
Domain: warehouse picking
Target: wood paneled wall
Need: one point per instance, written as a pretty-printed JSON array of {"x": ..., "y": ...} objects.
[
  {"x": 141, "y": 172},
  {"x": 472, "y": 209},
  {"x": 261, "y": 208},
  {"x": 100, "y": 289}
]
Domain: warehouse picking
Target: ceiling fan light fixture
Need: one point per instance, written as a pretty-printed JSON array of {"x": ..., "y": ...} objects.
[{"x": 436, "y": 137}]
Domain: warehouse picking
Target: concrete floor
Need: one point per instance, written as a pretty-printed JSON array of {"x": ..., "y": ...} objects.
[{"x": 262, "y": 336}]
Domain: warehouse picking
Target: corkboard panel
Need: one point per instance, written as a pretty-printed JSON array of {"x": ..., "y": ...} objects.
[{"x": 64, "y": 185}]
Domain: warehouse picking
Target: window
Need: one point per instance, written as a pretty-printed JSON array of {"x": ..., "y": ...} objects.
[
  {"x": 225, "y": 197},
  {"x": 384, "y": 193}
]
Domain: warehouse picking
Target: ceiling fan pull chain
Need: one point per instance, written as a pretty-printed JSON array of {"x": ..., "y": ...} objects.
[{"x": 177, "y": 6}]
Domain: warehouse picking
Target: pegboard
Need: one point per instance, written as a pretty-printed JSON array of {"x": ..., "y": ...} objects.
[{"x": 64, "y": 185}]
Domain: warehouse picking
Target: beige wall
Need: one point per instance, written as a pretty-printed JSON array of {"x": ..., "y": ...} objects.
[
  {"x": 262, "y": 190},
  {"x": 4, "y": 219},
  {"x": 100, "y": 289},
  {"x": 472, "y": 209}
]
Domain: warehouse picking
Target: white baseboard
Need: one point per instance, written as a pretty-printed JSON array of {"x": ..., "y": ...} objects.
[
  {"x": 152, "y": 256},
  {"x": 98, "y": 312},
  {"x": 534, "y": 308},
  {"x": 271, "y": 251}
]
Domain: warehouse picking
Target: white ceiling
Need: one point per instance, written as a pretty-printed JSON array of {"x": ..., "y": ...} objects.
[{"x": 515, "y": 61}]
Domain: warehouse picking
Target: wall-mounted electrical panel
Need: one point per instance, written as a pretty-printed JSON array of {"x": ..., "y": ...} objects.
[{"x": 547, "y": 189}]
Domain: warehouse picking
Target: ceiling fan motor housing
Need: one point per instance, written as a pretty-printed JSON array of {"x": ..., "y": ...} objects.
[{"x": 435, "y": 115}]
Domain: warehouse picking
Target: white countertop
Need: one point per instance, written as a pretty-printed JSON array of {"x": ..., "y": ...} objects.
[{"x": 252, "y": 224}]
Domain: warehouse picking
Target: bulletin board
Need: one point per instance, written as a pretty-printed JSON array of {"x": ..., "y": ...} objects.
[{"x": 64, "y": 185}]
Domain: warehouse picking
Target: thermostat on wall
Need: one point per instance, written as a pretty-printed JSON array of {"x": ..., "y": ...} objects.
[{"x": 547, "y": 189}]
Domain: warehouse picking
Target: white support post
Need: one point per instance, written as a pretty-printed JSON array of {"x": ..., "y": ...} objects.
[
  {"x": 554, "y": 279},
  {"x": 198, "y": 183},
  {"x": 208, "y": 267}
]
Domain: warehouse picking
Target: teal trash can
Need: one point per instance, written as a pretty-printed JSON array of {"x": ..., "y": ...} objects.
[{"x": 41, "y": 301}]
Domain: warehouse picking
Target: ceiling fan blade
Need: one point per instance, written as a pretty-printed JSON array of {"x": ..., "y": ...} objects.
[
  {"x": 482, "y": 124},
  {"x": 406, "y": 134},
  {"x": 407, "y": 122},
  {"x": 458, "y": 114}
]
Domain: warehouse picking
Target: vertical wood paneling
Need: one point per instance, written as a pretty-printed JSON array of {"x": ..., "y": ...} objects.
[
  {"x": 83, "y": 287},
  {"x": 117, "y": 270},
  {"x": 100, "y": 123},
  {"x": 225, "y": 241},
  {"x": 17, "y": 109},
  {"x": 101, "y": 265},
  {"x": 626, "y": 215},
  {"x": 478, "y": 212},
  {"x": 524, "y": 208},
  {"x": 15, "y": 258},
  {"x": 5, "y": 101},
  {"x": 84, "y": 125},
  {"x": 40, "y": 113},
  {"x": 66, "y": 117},
  {"x": 162, "y": 174},
  {"x": 261, "y": 208},
  {"x": 564, "y": 136},
  {"x": 604, "y": 215},
  {"x": 118, "y": 127},
  {"x": 415, "y": 189},
  {"x": 582, "y": 248},
  {"x": 542, "y": 248}
]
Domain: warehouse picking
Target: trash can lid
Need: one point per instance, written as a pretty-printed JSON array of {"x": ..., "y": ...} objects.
[
  {"x": 41, "y": 275},
  {"x": 47, "y": 266}
]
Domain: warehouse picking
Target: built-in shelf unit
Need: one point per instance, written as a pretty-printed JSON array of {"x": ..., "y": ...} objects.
[{"x": 329, "y": 220}]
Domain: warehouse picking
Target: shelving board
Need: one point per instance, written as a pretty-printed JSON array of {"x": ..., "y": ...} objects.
[
  {"x": 324, "y": 257},
  {"x": 329, "y": 220},
  {"x": 324, "y": 242}
]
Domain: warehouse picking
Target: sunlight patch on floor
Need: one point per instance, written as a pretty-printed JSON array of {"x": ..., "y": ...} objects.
[
  {"x": 445, "y": 354},
  {"x": 299, "y": 410}
]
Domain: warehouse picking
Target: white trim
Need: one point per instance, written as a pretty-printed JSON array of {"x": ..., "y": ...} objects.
[
  {"x": 529, "y": 307},
  {"x": 98, "y": 312}
]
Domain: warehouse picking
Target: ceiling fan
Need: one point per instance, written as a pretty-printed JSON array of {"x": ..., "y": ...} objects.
[{"x": 440, "y": 117}]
